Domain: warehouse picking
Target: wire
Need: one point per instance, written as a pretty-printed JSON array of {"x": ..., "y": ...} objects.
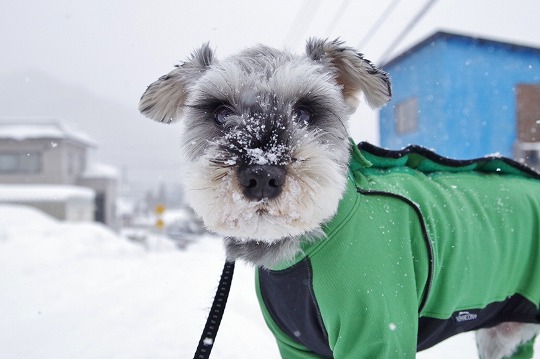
[
  {"x": 337, "y": 17},
  {"x": 407, "y": 29},
  {"x": 303, "y": 19},
  {"x": 380, "y": 20}
]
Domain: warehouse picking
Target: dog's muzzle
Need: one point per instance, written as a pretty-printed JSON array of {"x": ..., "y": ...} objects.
[{"x": 261, "y": 181}]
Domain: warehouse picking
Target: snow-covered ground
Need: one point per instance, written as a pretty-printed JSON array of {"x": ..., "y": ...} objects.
[{"x": 80, "y": 291}]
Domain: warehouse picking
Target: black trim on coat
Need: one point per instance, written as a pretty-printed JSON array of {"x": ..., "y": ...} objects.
[
  {"x": 289, "y": 298},
  {"x": 445, "y": 161}
]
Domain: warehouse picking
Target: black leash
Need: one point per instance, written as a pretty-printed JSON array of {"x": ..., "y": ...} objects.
[{"x": 210, "y": 330}]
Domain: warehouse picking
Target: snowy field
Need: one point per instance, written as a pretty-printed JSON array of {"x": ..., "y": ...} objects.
[{"x": 80, "y": 291}]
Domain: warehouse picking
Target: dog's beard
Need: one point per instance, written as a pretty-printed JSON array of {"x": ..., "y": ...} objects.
[{"x": 316, "y": 178}]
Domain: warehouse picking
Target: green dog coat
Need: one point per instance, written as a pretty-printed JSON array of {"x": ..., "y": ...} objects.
[{"x": 422, "y": 248}]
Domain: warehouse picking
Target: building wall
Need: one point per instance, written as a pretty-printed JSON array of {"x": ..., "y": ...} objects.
[
  {"x": 78, "y": 210},
  {"x": 71, "y": 210},
  {"x": 105, "y": 200},
  {"x": 419, "y": 77},
  {"x": 62, "y": 162},
  {"x": 466, "y": 96}
]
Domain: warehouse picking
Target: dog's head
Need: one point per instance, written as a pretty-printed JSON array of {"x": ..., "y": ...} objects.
[{"x": 266, "y": 134}]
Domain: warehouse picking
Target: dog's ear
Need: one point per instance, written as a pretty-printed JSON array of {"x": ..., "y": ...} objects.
[
  {"x": 354, "y": 73},
  {"x": 164, "y": 99}
]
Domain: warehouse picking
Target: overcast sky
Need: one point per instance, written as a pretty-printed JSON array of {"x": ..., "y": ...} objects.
[{"x": 115, "y": 48}]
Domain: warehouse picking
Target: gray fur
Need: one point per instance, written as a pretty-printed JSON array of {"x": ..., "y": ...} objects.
[
  {"x": 260, "y": 253},
  {"x": 267, "y": 254},
  {"x": 164, "y": 99},
  {"x": 354, "y": 73},
  {"x": 263, "y": 88}
]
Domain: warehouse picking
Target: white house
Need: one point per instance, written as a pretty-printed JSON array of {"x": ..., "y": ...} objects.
[{"x": 44, "y": 163}]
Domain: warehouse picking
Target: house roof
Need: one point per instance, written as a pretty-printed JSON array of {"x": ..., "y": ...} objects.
[
  {"x": 443, "y": 35},
  {"x": 21, "y": 129},
  {"x": 100, "y": 170}
]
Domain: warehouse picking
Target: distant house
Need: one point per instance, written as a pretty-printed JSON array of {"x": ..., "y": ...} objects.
[
  {"x": 45, "y": 164},
  {"x": 465, "y": 97}
]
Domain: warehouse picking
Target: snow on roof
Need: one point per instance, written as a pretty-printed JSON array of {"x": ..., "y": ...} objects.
[
  {"x": 450, "y": 35},
  {"x": 101, "y": 170},
  {"x": 46, "y": 193},
  {"x": 36, "y": 128}
]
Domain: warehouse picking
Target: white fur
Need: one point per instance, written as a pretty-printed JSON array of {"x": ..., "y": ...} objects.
[
  {"x": 503, "y": 340},
  {"x": 315, "y": 178}
]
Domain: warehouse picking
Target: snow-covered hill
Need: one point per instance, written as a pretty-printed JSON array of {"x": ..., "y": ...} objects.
[{"x": 80, "y": 291}]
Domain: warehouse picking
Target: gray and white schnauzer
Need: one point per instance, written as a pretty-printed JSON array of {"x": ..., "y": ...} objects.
[{"x": 329, "y": 224}]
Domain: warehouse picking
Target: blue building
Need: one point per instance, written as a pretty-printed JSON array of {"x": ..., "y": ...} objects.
[{"x": 465, "y": 97}]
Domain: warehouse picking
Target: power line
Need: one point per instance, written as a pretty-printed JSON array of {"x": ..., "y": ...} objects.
[
  {"x": 380, "y": 20},
  {"x": 337, "y": 17},
  {"x": 407, "y": 29},
  {"x": 303, "y": 19}
]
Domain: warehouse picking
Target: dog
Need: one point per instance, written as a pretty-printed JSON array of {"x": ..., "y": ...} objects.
[{"x": 360, "y": 252}]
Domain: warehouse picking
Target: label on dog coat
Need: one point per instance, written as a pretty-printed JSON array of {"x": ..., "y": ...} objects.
[{"x": 465, "y": 317}]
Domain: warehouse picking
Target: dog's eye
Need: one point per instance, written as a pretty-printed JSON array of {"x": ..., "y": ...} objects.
[
  {"x": 303, "y": 115},
  {"x": 221, "y": 113}
]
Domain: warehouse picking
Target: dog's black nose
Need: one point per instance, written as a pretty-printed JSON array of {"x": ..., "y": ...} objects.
[{"x": 261, "y": 181}]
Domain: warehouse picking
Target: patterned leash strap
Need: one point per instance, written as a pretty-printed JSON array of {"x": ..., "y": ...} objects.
[{"x": 209, "y": 334}]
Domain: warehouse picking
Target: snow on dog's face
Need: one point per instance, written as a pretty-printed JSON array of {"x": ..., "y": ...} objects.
[{"x": 265, "y": 134}]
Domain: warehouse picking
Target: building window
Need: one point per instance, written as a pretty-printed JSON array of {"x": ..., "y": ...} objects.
[
  {"x": 532, "y": 158},
  {"x": 528, "y": 112},
  {"x": 72, "y": 163},
  {"x": 75, "y": 163},
  {"x": 528, "y": 153},
  {"x": 20, "y": 163},
  {"x": 406, "y": 114}
]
